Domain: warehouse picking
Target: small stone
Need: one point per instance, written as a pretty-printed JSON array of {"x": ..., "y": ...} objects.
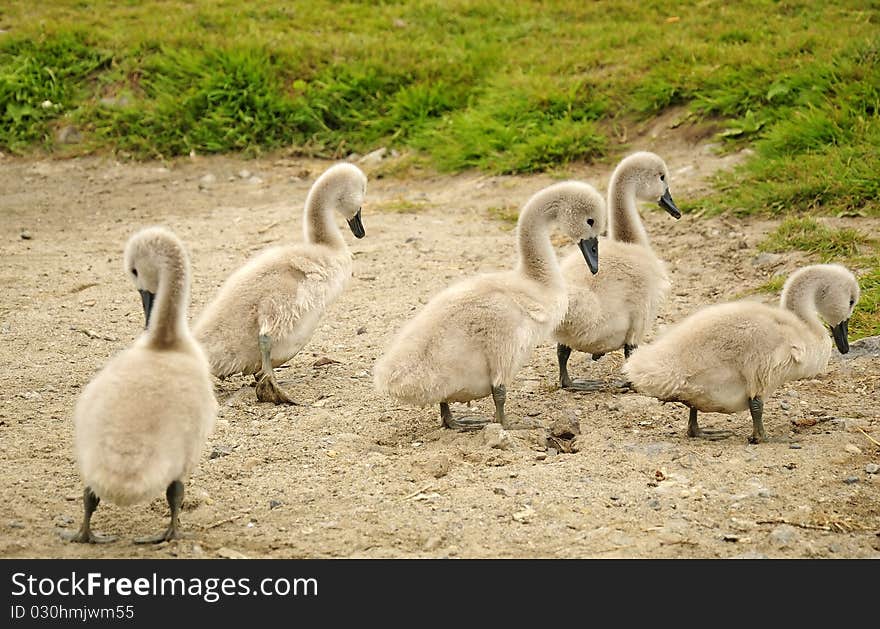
[
  {"x": 495, "y": 436},
  {"x": 245, "y": 174},
  {"x": 524, "y": 515},
  {"x": 654, "y": 504},
  {"x": 784, "y": 535},
  {"x": 207, "y": 181},
  {"x": 274, "y": 504},
  {"x": 502, "y": 490},
  {"x": 565, "y": 428},
  {"x": 784, "y": 405},
  {"x": 25, "y": 235},
  {"x": 438, "y": 466},
  {"x": 374, "y": 157},
  {"x": 851, "y": 480},
  {"x": 15, "y": 524},
  {"x": 872, "y": 468},
  {"x": 228, "y": 553},
  {"x": 220, "y": 450},
  {"x": 730, "y": 538},
  {"x": 794, "y": 446},
  {"x": 432, "y": 543},
  {"x": 254, "y": 181},
  {"x": 852, "y": 448},
  {"x": 766, "y": 259},
  {"x": 69, "y": 134},
  {"x": 540, "y": 456},
  {"x": 361, "y": 330}
]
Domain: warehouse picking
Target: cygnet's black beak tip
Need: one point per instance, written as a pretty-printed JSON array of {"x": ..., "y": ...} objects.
[
  {"x": 147, "y": 299},
  {"x": 840, "y": 332},
  {"x": 357, "y": 226},
  {"x": 590, "y": 249},
  {"x": 668, "y": 204}
]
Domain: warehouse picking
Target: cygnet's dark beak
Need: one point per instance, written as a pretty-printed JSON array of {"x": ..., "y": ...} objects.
[
  {"x": 840, "y": 333},
  {"x": 147, "y": 298},
  {"x": 356, "y": 226},
  {"x": 668, "y": 204},
  {"x": 590, "y": 249}
]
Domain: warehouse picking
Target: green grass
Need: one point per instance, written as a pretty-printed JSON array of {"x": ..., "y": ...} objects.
[{"x": 808, "y": 234}]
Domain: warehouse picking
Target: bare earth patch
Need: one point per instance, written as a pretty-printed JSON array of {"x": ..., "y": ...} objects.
[{"x": 352, "y": 474}]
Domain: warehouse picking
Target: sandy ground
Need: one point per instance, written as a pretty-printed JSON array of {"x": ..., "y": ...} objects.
[{"x": 351, "y": 474}]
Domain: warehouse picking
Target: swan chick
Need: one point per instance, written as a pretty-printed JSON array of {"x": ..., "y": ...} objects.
[
  {"x": 141, "y": 423},
  {"x": 268, "y": 309},
  {"x": 729, "y": 357},
  {"x": 471, "y": 339},
  {"x": 615, "y": 308}
]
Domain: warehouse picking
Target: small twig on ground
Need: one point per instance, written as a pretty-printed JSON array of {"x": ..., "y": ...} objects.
[
  {"x": 870, "y": 438},
  {"x": 222, "y": 522},
  {"x": 802, "y": 525},
  {"x": 427, "y": 487}
]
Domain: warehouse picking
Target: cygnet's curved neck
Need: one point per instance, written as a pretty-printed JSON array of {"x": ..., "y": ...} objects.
[
  {"x": 537, "y": 260},
  {"x": 800, "y": 298},
  {"x": 624, "y": 223},
  {"x": 168, "y": 317},
  {"x": 320, "y": 224}
]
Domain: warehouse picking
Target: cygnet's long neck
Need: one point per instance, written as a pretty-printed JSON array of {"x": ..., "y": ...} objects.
[
  {"x": 624, "y": 223},
  {"x": 800, "y": 298},
  {"x": 537, "y": 260},
  {"x": 320, "y": 225},
  {"x": 168, "y": 317}
]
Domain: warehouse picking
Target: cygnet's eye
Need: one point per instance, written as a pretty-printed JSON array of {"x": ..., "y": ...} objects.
[
  {"x": 590, "y": 222},
  {"x": 134, "y": 272},
  {"x": 662, "y": 177},
  {"x": 852, "y": 302}
]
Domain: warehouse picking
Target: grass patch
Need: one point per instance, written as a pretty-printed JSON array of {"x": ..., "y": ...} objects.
[
  {"x": 808, "y": 234},
  {"x": 505, "y": 87},
  {"x": 507, "y": 214},
  {"x": 401, "y": 205}
]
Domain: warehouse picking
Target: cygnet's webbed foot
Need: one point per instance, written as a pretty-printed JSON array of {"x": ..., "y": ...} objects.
[
  {"x": 268, "y": 391},
  {"x": 694, "y": 430},
  {"x": 174, "y": 495},
  {"x": 87, "y": 537},
  {"x": 172, "y": 532},
  {"x": 597, "y": 356},
  {"x": 464, "y": 424},
  {"x": 583, "y": 386}
]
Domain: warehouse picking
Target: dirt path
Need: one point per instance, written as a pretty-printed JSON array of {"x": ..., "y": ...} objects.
[{"x": 352, "y": 474}]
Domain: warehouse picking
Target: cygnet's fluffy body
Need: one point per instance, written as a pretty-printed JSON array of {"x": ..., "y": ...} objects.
[
  {"x": 141, "y": 423},
  {"x": 728, "y": 357},
  {"x": 616, "y": 307},
  {"x": 267, "y": 310},
  {"x": 471, "y": 339}
]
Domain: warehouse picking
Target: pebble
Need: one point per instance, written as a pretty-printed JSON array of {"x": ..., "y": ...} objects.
[
  {"x": 374, "y": 157},
  {"x": 784, "y": 405},
  {"x": 872, "y": 468},
  {"x": 565, "y": 428},
  {"x": 361, "y": 330},
  {"x": 220, "y": 450},
  {"x": 495, "y": 436},
  {"x": 432, "y": 543},
  {"x": 524, "y": 515},
  {"x": 228, "y": 553},
  {"x": 654, "y": 504},
  {"x": 795, "y": 446},
  {"x": 16, "y": 525},
  {"x": 274, "y": 504},
  {"x": 207, "y": 180},
  {"x": 25, "y": 235},
  {"x": 244, "y": 174},
  {"x": 784, "y": 535},
  {"x": 852, "y": 448},
  {"x": 851, "y": 480},
  {"x": 254, "y": 181}
]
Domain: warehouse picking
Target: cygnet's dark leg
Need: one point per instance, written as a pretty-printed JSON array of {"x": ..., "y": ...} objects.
[
  {"x": 84, "y": 535},
  {"x": 267, "y": 387},
  {"x": 462, "y": 423},
  {"x": 563, "y": 352},
  {"x": 499, "y": 396},
  {"x": 621, "y": 384},
  {"x": 694, "y": 429},
  {"x": 174, "y": 496},
  {"x": 756, "y": 408},
  {"x": 628, "y": 349}
]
